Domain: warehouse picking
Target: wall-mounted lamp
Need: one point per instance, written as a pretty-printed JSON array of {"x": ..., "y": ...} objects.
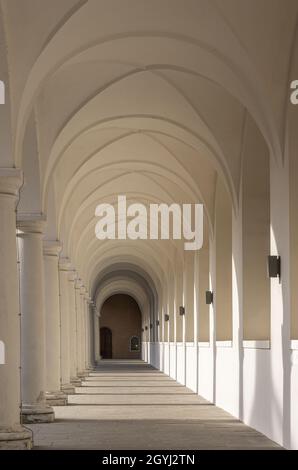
[
  {"x": 274, "y": 266},
  {"x": 167, "y": 317},
  {"x": 146, "y": 328},
  {"x": 209, "y": 297},
  {"x": 157, "y": 322},
  {"x": 181, "y": 310},
  {"x": 151, "y": 326}
]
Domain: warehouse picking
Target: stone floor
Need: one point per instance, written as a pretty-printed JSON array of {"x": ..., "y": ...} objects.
[{"x": 130, "y": 405}]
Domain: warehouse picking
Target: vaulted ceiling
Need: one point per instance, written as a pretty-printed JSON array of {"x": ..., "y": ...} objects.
[{"x": 144, "y": 98}]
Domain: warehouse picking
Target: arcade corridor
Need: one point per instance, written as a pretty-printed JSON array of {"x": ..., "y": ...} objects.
[{"x": 111, "y": 111}]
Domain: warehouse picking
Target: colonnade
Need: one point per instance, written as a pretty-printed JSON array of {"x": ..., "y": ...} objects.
[{"x": 47, "y": 322}]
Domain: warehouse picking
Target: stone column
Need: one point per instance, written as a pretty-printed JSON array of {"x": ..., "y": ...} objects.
[
  {"x": 54, "y": 396},
  {"x": 12, "y": 434},
  {"x": 98, "y": 314},
  {"x": 73, "y": 328},
  {"x": 34, "y": 407},
  {"x": 83, "y": 330},
  {"x": 88, "y": 332},
  {"x": 64, "y": 268},
  {"x": 96, "y": 334},
  {"x": 78, "y": 286}
]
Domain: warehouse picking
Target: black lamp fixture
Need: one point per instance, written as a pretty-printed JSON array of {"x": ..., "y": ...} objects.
[
  {"x": 181, "y": 310},
  {"x": 274, "y": 266},
  {"x": 157, "y": 322},
  {"x": 146, "y": 328},
  {"x": 209, "y": 297},
  {"x": 151, "y": 326},
  {"x": 167, "y": 317}
]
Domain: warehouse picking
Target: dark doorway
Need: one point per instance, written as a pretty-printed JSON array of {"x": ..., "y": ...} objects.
[
  {"x": 106, "y": 343},
  {"x": 122, "y": 315}
]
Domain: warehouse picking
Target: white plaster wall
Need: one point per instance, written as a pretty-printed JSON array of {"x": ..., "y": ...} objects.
[
  {"x": 180, "y": 363},
  {"x": 258, "y": 401},
  {"x": 167, "y": 358},
  {"x": 293, "y": 400},
  {"x": 205, "y": 370},
  {"x": 154, "y": 354},
  {"x": 143, "y": 351},
  {"x": 173, "y": 360},
  {"x": 244, "y": 389},
  {"x": 161, "y": 356},
  {"x": 191, "y": 366},
  {"x": 226, "y": 387}
]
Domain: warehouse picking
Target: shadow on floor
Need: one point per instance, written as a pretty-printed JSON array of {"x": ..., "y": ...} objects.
[{"x": 118, "y": 409}]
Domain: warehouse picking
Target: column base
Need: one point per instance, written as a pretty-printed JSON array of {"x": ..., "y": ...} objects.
[
  {"x": 16, "y": 438},
  {"x": 76, "y": 381},
  {"x": 82, "y": 374},
  {"x": 85, "y": 373},
  {"x": 38, "y": 413},
  {"x": 68, "y": 389},
  {"x": 57, "y": 398}
]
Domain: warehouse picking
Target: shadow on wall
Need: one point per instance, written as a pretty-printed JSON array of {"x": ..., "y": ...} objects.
[{"x": 154, "y": 355}]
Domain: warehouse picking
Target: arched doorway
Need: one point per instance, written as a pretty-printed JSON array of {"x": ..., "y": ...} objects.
[
  {"x": 121, "y": 314},
  {"x": 106, "y": 346}
]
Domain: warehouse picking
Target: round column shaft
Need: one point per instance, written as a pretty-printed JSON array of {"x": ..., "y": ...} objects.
[
  {"x": 83, "y": 330},
  {"x": 88, "y": 333},
  {"x": 64, "y": 268},
  {"x": 12, "y": 434},
  {"x": 78, "y": 286},
  {"x": 54, "y": 396},
  {"x": 96, "y": 335},
  {"x": 34, "y": 407},
  {"x": 73, "y": 329}
]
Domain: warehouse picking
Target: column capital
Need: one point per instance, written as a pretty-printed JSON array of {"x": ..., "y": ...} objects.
[
  {"x": 65, "y": 264},
  {"x": 72, "y": 277},
  {"x": 11, "y": 180},
  {"x": 95, "y": 310},
  {"x": 83, "y": 289},
  {"x": 52, "y": 248},
  {"x": 28, "y": 223}
]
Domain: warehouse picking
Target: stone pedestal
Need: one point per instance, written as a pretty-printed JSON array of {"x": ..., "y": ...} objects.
[
  {"x": 12, "y": 435},
  {"x": 83, "y": 374},
  {"x": 56, "y": 398},
  {"x": 76, "y": 382},
  {"x": 39, "y": 413},
  {"x": 34, "y": 407},
  {"x": 15, "y": 438},
  {"x": 68, "y": 389}
]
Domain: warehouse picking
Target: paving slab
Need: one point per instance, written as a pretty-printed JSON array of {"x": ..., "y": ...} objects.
[{"x": 130, "y": 405}]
